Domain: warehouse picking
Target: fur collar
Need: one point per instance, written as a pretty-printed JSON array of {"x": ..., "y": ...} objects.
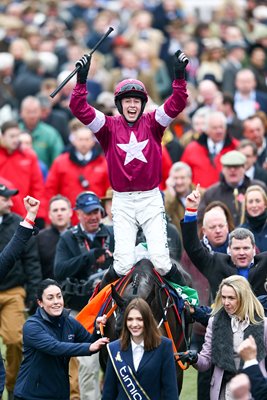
[{"x": 222, "y": 341}]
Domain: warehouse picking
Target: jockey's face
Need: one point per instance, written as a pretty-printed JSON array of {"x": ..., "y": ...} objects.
[
  {"x": 131, "y": 108},
  {"x": 135, "y": 324}
]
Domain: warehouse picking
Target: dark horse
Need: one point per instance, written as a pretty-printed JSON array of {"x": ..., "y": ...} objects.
[{"x": 144, "y": 282}]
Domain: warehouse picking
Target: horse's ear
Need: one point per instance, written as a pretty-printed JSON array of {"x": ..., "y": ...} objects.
[{"x": 117, "y": 298}]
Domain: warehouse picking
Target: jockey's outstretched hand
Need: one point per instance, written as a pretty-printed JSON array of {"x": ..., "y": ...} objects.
[
  {"x": 193, "y": 199},
  {"x": 84, "y": 64},
  {"x": 98, "y": 344},
  {"x": 189, "y": 356}
]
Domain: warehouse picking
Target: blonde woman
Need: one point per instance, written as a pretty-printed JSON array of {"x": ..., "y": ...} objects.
[
  {"x": 236, "y": 314},
  {"x": 254, "y": 215}
]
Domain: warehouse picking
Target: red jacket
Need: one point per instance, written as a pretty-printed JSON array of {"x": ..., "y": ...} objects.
[
  {"x": 166, "y": 165},
  {"x": 205, "y": 171},
  {"x": 63, "y": 177},
  {"x": 22, "y": 169}
]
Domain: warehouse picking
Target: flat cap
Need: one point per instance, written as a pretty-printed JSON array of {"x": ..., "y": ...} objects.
[
  {"x": 238, "y": 44},
  {"x": 233, "y": 158}
]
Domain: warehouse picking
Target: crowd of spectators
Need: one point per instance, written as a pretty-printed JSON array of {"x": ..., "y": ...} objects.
[
  {"x": 40, "y": 43},
  {"x": 218, "y": 141}
]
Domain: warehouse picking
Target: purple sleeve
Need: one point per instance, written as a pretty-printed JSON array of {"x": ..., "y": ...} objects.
[
  {"x": 79, "y": 106},
  {"x": 177, "y": 101}
]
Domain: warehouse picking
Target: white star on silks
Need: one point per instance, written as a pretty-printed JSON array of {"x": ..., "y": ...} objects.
[{"x": 133, "y": 149}]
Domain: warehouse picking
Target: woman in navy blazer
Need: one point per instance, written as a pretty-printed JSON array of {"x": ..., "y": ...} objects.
[
  {"x": 148, "y": 354},
  {"x": 50, "y": 337}
]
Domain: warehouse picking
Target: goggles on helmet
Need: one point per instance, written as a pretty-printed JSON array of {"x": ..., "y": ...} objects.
[{"x": 131, "y": 86}]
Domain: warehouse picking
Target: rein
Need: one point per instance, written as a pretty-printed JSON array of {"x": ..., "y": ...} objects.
[{"x": 167, "y": 325}]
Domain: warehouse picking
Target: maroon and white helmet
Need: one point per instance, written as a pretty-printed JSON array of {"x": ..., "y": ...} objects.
[{"x": 130, "y": 88}]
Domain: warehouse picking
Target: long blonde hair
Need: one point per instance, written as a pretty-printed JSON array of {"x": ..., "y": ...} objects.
[{"x": 248, "y": 304}]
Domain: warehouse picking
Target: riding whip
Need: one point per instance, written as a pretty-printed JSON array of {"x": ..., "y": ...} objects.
[{"x": 110, "y": 29}]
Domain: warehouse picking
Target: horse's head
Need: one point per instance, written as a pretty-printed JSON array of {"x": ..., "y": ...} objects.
[{"x": 140, "y": 285}]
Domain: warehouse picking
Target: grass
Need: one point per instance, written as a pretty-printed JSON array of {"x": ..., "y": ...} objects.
[{"x": 189, "y": 390}]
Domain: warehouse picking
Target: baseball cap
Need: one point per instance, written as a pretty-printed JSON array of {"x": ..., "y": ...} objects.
[
  {"x": 5, "y": 192},
  {"x": 233, "y": 158},
  {"x": 87, "y": 202}
]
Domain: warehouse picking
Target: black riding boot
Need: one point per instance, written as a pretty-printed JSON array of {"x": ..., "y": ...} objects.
[
  {"x": 175, "y": 276},
  {"x": 109, "y": 277}
]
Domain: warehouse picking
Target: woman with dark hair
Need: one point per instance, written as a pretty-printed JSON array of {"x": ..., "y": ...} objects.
[
  {"x": 141, "y": 362},
  {"x": 50, "y": 338}
]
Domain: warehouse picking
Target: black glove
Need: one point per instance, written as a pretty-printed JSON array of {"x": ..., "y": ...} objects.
[
  {"x": 180, "y": 63},
  {"x": 189, "y": 356},
  {"x": 98, "y": 252},
  {"x": 84, "y": 64}
]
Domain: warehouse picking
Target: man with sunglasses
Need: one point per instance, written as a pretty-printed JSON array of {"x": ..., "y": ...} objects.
[{"x": 131, "y": 142}]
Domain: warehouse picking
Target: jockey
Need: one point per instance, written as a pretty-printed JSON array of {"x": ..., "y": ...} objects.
[{"x": 132, "y": 146}]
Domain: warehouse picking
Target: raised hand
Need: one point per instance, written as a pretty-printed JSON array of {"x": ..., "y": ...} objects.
[
  {"x": 31, "y": 205},
  {"x": 84, "y": 65},
  {"x": 193, "y": 199},
  {"x": 180, "y": 63},
  {"x": 170, "y": 185}
]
